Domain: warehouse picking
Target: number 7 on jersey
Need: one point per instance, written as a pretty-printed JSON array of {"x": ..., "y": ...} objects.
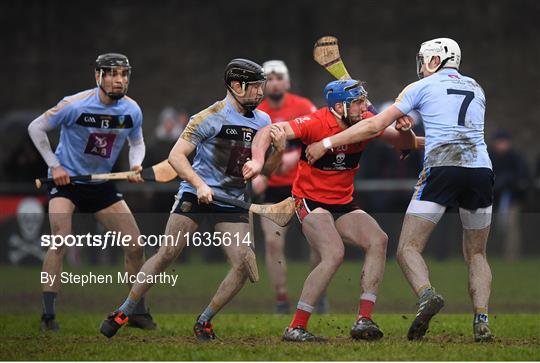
[{"x": 469, "y": 95}]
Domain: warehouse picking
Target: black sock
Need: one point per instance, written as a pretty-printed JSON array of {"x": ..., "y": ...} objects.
[
  {"x": 49, "y": 299},
  {"x": 140, "y": 308}
]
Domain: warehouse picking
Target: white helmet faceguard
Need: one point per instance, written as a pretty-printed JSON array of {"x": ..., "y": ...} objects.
[
  {"x": 445, "y": 48},
  {"x": 277, "y": 67}
]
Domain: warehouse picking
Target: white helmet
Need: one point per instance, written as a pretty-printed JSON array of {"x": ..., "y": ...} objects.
[
  {"x": 277, "y": 67},
  {"x": 445, "y": 48}
]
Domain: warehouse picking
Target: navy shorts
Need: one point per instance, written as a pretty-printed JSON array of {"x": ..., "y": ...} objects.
[
  {"x": 188, "y": 205},
  {"x": 88, "y": 198},
  {"x": 455, "y": 186}
]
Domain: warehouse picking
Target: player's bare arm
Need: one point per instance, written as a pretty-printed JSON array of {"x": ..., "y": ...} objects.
[
  {"x": 358, "y": 132},
  {"x": 275, "y": 134},
  {"x": 178, "y": 158},
  {"x": 402, "y": 140},
  {"x": 279, "y": 142}
]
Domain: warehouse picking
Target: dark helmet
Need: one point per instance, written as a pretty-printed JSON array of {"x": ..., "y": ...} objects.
[
  {"x": 108, "y": 61},
  {"x": 245, "y": 72}
]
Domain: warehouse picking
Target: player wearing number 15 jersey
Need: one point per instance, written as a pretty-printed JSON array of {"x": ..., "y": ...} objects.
[
  {"x": 457, "y": 172},
  {"x": 221, "y": 137}
]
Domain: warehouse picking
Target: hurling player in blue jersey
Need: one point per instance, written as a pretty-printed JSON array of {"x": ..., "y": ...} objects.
[
  {"x": 457, "y": 172},
  {"x": 221, "y": 137},
  {"x": 94, "y": 125}
]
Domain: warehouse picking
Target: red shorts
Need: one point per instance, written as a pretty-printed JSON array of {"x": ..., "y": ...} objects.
[{"x": 304, "y": 206}]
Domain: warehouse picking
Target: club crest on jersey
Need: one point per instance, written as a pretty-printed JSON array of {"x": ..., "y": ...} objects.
[
  {"x": 340, "y": 160},
  {"x": 100, "y": 144}
]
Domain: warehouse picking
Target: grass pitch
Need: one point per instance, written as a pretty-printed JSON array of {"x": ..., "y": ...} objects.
[
  {"x": 257, "y": 337},
  {"x": 247, "y": 332}
]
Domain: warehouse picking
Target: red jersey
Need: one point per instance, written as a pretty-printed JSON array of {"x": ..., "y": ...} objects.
[
  {"x": 331, "y": 179},
  {"x": 293, "y": 106}
]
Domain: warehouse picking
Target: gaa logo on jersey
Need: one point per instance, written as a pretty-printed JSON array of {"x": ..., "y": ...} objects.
[{"x": 100, "y": 144}]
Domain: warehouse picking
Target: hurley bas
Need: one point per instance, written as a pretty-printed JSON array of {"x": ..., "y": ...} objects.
[{"x": 121, "y": 278}]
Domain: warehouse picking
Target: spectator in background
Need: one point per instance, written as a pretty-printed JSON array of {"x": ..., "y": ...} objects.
[
  {"x": 511, "y": 183},
  {"x": 170, "y": 125}
]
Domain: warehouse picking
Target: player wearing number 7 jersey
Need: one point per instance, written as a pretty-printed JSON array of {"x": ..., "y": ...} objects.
[{"x": 457, "y": 172}]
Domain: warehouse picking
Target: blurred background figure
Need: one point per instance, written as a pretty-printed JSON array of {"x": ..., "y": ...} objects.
[
  {"x": 511, "y": 183},
  {"x": 169, "y": 126}
]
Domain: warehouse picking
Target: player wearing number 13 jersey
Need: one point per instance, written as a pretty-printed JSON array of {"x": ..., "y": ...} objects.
[
  {"x": 94, "y": 126},
  {"x": 92, "y": 134},
  {"x": 457, "y": 172}
]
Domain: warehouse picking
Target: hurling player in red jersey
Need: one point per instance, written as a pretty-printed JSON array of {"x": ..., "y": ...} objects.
[
  {"x": 281, "y": 105},
  {"x": 325, "y": 206}
]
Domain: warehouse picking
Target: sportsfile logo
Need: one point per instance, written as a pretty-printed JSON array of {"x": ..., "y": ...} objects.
[{"x": 119, "y": 239}]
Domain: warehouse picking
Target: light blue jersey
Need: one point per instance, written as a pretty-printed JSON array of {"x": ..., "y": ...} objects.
[
  {"x": 223, "y": 138},
  {"x": 452, "y": 107},
  {"x": 92, "y": 134}
]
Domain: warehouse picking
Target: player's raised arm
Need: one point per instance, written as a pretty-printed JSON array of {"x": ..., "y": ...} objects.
[
  {"x": 358, "y": 132},
  {"x": 279, "y": 142},
  {"x": 277, "y": 134},
  {"x": 402, "y": 138}
]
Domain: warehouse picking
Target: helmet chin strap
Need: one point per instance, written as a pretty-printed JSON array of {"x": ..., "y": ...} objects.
[
  {"x": 249, "y": 107},
  {"x": 111, "y": 95},
  {"x": 343, "y": 118}
]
